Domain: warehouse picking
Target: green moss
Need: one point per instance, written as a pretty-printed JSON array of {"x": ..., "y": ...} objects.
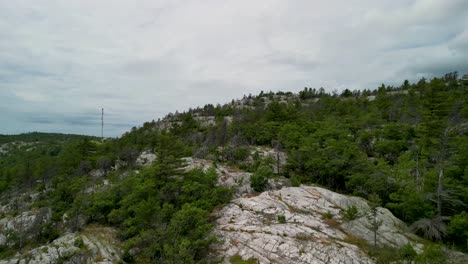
[{"x": 237, "y": 259}]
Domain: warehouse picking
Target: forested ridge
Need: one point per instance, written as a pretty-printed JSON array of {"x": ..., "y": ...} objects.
[{"x": 405, "y": 145}]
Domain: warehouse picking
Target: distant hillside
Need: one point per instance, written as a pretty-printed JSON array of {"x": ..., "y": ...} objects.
[{"x": 39, "y": 136}]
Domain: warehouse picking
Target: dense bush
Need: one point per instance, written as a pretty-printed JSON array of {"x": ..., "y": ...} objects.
[
  {"x": 166, "y": 217},
  {"x": 457, "y": 231},
  {"x": 259, "y": 180},
  {"x": 351, "y": 213},
  {"x": 407, "y": 252},
  {"x": 281, "y": 219}
]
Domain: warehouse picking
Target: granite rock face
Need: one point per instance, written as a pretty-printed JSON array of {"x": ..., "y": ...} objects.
[
  {"x": 302, "y": 225},
  {"x": 232, "y": 177},
  {"x": 227, "y": 176},
  {"x": 93, "y": 245},
  {"x": 297, "y": 224},
  {"x": 278, "y": 157},
  {"x": 24, "y": 225},
  {"x": 145, "y": 159}
]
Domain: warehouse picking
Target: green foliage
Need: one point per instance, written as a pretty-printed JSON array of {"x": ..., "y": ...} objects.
[
  {"x": 328, "y": 215},
  {"x": 258, "y": 182},
  {"x": 259, "y": 179},
  {"x": 237, "y": 259},
  {"x": 39, "y": 137},
  {"x": 351, "y": 213},
  {"x": 33, "y": 160},
  {"x": 433, "y": 254},
  {"x": 6, "y": 252},
  {"x": 457, "y": 231},
  {"x": 79, "y": 243},
  {"x": 241, "y": 153},
  {"x": 384, "y": 255},
  {"x": 166, "y": 216},
  {"x": 407, "y": 252},
  {"x": 281, "y": 219},
  {"x": 295, "y": 181},
  {"x": 327, "y": 156},
  {"x": 374, "y": 201},
  {"x": 410, "y": 205},
  {"x": 291, "y": 135},
  {"x": 64, "y": 193}
]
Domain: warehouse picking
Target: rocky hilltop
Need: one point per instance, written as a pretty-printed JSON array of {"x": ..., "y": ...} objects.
[
  {"x": 263, "y": 194},
  {"x": 306, "y": 224}
]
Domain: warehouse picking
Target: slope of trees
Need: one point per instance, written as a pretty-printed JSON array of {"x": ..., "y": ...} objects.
[{"x": 406, "y": 146}]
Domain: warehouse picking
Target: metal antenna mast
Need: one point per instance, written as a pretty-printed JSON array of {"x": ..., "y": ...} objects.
[{"x": 102, "y": 124}]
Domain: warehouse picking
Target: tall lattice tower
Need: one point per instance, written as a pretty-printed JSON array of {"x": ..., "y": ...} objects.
[{"x": 102, "y": 124}]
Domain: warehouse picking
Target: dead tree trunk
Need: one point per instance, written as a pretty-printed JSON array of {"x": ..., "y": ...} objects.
[{"x": 441, "y": 161}]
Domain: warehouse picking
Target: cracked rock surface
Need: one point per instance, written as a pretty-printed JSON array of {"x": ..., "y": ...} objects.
[
  {"x": 98, "y": 245},
  {"x": 302, "y": 225}
]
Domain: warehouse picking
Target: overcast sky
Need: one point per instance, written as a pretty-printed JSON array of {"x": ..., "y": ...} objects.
[{"x": 61, "y": 61}]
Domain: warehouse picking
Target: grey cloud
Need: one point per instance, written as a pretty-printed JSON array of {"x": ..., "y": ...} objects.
[
  {"x": 439, "y": 68},
  {"x": 298, "y": 61},
  {"x": 425, "y": 41},
  {"x": 39, "y": 120},
  {"x": 86, "y": 121},
  {"x": 142, "y": 60},
  {"x": 154, "y": 67},
  {"x": 459, "y": 43},
  {"x": 56, "y": 118},
  {"x": 14, "y": 70}
]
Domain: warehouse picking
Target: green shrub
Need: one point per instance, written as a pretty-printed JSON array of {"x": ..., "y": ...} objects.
[
  {"x": 351, "y": 213},
  {"x": 433, "y": 254},
  {"x": 407, "y": 252},
  {"x": 127, "y": 257},
  {"x": 295, "y": 181},
  {"x": 241, "y": 153},
  {"x": 281, "y": 218},
  {"x": 457, "y": 231},
  {"x": 259, "y": 179},
  {"x": 328, "y": 215},
  {"x": 258, "y": 182},
  {"x": 6, "y": 252},
  {"x": 237, "y": 259},
  {"x": 79, "y": 243},
  {"x": 384, "y": 255}
]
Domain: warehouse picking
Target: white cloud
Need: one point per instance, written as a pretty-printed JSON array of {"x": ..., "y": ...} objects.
[{"x": 140, "y": 60}]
